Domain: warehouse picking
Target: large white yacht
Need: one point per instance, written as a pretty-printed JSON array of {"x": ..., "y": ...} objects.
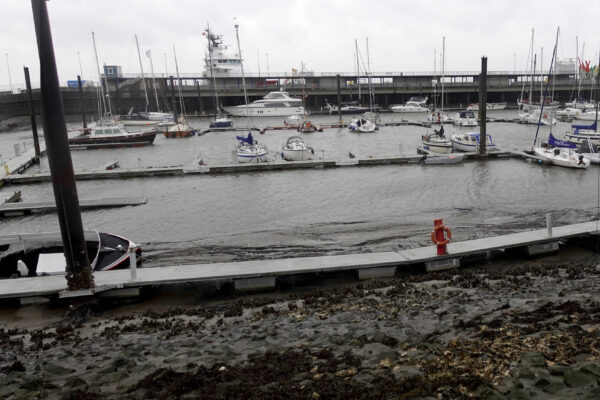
[
  {"x": 275, "y": 104},
  {"x": 223, "y": 64}
]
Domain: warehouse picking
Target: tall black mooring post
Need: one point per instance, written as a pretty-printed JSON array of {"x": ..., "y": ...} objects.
[
  {"x": 339, "y": 98},
  {"x": 483, "y": 106},
  {"x": 36, "y": 140},
  {"x": 79, "y": 273},
  {"x": 82, "y": 102}
]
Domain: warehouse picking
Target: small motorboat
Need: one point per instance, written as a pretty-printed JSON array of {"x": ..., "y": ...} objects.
[
  {"x": 589, "y": 151},
  {"x": 443, "y": 159},
  {"x": 469, "y": 142},
  {"x": 109, "y": 134},
  {"x": 221, "y": 121},
  {"x": 43, "y": 253},
  {"x": 436, "y": 142},
  {"x": 296, "y": 150},
  {"x": 249, "y": 150},
  {"x": 465, "y": 118}
]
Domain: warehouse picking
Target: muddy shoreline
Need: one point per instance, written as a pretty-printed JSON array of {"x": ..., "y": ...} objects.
[{"x": 506, "y": 329}]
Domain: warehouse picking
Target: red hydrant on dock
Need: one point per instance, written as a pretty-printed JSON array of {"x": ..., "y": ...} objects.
[{"x": 437, "y": 236}]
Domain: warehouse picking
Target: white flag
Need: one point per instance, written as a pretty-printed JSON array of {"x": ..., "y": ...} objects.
[{"x": 148, "y": 54}]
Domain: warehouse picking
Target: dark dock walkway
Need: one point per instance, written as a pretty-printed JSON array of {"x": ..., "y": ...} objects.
[
  {"x": 12, "y": 209},
  {"x": 247, "y": 274}
]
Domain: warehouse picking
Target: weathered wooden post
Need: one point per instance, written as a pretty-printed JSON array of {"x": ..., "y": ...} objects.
[
  {"x": 483, "y": 106},
  {"x": 36, "y": 141},
  {"x": 82, "y": 102},
  {"x": 79, "y": 273},
  {"x": 339, "y": 98}
]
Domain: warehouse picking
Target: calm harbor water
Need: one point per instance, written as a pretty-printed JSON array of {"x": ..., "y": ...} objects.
[{"x": 200, "y": 218}]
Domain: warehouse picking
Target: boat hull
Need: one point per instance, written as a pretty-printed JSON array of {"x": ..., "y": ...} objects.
[
  {"x": 296, "y": 155},
  {"x": 130, "y": 140},
  {"x": 563, "y": 158},
  {"x": 240, "y": 111}
]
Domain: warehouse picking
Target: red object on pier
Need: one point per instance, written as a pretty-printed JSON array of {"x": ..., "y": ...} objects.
[{"x": 437, "y": 236}]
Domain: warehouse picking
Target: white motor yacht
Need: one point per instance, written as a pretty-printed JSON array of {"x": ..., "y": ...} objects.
[
  {"x": 275, "y": 104},
  {"x": 408, "y": 108},
  {"x": 488, "y": 106}
]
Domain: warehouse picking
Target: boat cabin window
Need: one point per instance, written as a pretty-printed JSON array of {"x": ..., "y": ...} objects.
[
  {"x": 277, "y": 95},
  {"x": 275, "y": 105}
]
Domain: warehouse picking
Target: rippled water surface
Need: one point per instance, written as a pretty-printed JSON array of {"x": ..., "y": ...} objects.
[{"x": 200, "y": 218}]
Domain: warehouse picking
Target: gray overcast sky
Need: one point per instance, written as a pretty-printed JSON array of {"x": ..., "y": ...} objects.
[{"x": 402, "y": 34}]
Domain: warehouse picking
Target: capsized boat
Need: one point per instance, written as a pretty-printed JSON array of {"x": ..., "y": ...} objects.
[
  {"x": 362, "y": 125},
  {"x": 469, "y": 142},
  {"x": 533, "y": 117},
  {"x": 249, "y": 150},
  {"x": 296, "y": 150},
  {"x": 43, "y": 252},
  {"x": 309, "y": 127}
]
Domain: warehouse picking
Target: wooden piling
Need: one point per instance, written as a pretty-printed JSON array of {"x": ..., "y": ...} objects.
[
  {"x": 36, "y": 141},
  {"x": 339, "y": 98},
  {"x": 78, "y": 271},
  {"x": 483, "y": 105}
]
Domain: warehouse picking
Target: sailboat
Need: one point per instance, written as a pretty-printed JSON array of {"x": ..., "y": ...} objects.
[
  {"x": 436, "y": 141},
  {"x": 248, "y": 149},
  {"x": 306, "y": 126},
  {"x": 365, "y": 123},
  {"x": 557, "y": 152},
  {"x": 181, "y": 129},
  {"x": 439, "y": 116},
  {"x": 219, "y": 121}
]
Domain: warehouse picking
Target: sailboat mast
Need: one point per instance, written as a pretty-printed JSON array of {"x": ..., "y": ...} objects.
[
  {"x": 212, "y": 75},
  {"x": 357, "y": 71},
  {"x": 149, "y": 54},
  {"x": 179, "y": 82},
  {"x": 532, "y": 69},
  {"x": 534, "y": 59},
  {"x": 541, "y": 73},
  {"x": 237, "y": 36},
  {"x": 142, "y": 69},
  {"x": 99, "y": 78},
  {"x": 369, "y": 77},
  {"x": 443, "y": 67}
]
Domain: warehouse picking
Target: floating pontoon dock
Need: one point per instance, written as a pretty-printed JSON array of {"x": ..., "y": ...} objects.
[
  {"x": 264, "y": 273},
  {"x": 240, "y": 168},
  {"x": 12, "y": 209}
]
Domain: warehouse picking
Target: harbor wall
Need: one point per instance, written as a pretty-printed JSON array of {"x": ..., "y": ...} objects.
[{"x": 126, "y": 93}]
